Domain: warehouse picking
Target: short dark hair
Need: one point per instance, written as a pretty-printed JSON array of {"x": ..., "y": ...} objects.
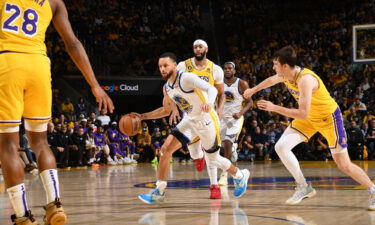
[
  {"x": 286, "y": 55},
  {"x": 170, "y": 55}
]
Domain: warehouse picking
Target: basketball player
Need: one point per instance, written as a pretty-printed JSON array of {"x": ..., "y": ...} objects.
[
  {"x": 196, "y": 98},
  {"x": 214, "y": 75},
  {"x": 317, "y": 112},
  {"x": 25, "y": 90},
  {"x": 232, "y": 121}
]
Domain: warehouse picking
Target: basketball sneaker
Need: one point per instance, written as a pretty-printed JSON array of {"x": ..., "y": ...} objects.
[
  {"x": 301, "y": 193},
  {"x": 154, "y": 196},
  {"x": 371, "y": 207},
  {"x": 215, "y": 192},
  {"x": 28, "y": 219},
  {"x": 223, "y": 181},
  {"x": 55, "y": 214},
  {"x": 200, "y": 163},
  {"x": 240, "y": 185}
]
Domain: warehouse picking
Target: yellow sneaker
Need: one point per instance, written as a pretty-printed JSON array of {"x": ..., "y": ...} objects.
[
  {"x": 55, "y": 214},
  {"x": 28, "y": 219}
]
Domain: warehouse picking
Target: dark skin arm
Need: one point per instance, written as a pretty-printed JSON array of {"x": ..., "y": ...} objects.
[
  {"x": 78, "y": 54},
  {"x": 243, "y": 86}
]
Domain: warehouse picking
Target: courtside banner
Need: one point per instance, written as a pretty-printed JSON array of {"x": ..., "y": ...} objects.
[{"x": 132, "y": 87}]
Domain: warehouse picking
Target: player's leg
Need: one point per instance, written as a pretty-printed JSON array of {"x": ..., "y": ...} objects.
[
  {"x": 290, "y": 138},
  {"x": 208, "y": 130},
  {"x": 12, "y": 82},
  {"x": 37, "y": 112},
  {"x": 171, "y": 144},
  {"x": 333, "y": 130}
]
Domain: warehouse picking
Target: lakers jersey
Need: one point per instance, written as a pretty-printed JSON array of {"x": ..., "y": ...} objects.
[
  {"x": 322, "y": 104},
  {"x": 205, "y": 74},
  {"x": 23, "y": 25}
]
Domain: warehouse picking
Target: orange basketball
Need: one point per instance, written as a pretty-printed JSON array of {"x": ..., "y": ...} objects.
[{"x": 130, "y": 124}]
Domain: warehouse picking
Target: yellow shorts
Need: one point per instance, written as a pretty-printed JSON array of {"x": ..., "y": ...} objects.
[
  {"x": 25, "y": 88},
  {"x": 331, "y": 127}
]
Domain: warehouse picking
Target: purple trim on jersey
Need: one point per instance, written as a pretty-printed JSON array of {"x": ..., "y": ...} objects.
[
  {"x": 339, "y": 129},
  {"x": 291, "y": 126},
  {"x": 54, "y": 183},
  {"x": 24, "y": 198},
  {"x": 4, "y": 121},
  {"x": 37, "y": 118}
]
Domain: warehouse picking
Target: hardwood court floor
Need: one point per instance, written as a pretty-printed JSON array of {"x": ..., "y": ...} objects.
[{"x": 108, "y": 196}]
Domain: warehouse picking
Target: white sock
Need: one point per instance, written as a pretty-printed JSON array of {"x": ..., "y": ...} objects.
[
  {"x": 17, "y": 196},
  {"x": 238, "y": 174},
  {"x": 284, "y": 147},
  {"x": 51, "y": 184},
  {"x": 161, "y": 185},
  {"x": 224, "y": 173},
  {"x": 372, "y": 189},
  {"x": 212, "y": 174},
  {"x": 132, "y": 157}
]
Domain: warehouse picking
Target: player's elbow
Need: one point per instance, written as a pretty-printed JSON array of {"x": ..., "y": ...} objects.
[
  {"x": 72, "y": 44},
  {"x": 303, "y": 115}
]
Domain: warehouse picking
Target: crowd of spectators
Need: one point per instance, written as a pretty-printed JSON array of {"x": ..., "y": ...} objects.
[{"x": 129, "y": 35}]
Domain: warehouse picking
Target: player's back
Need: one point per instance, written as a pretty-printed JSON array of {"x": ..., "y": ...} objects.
[{"x": 23, "y": 25}]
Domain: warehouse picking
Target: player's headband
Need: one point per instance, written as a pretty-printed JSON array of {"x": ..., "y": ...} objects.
[
  {"x": 200, "y": 42},
  {"x": 231, "y": 63}
]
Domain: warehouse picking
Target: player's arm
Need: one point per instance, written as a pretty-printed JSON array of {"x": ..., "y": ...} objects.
[
  {"x": 243, "y": 86},
  {"x": 306, "y": 86},
  {"x": 78, "y": 54},
  {"x": 275, "y": 79},
  {"x": 191, "y": 82},
  {"x": 161, "y": 112},
  {"x": 219, "y": 85},
  {"x": 175, "y": 115}
]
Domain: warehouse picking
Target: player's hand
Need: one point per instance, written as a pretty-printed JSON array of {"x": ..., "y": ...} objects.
[
  {"x": 248, "y": 93},
  {"x": 175, "y": 117},
  {"x": 206, "y": 107},
  {"x": 236, "y": 116},
  {"x": 102, "y": 99},
  {"x": 265, "y": 105}
]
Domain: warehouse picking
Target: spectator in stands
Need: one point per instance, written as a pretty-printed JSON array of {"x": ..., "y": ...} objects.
[
  {"x": 78, "y": 154},
  {"x": 67, "y": 109},
  {"x": 81, "y": 107},
  {"x": 63, "y": 147},
  {"x": 247, "y": 152},
  {"x": 144, "y": 146},
  {"x": 103, "y": 149},
  {"x": 355, "y": 141},
  {"x": 104, "y": 118},
  {"x": 370, "y": 140}
]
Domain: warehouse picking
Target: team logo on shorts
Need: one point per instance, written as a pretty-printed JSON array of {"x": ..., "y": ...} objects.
[
  {"x": 229, "y": 97},
  {"x": 183, "y": 104}
]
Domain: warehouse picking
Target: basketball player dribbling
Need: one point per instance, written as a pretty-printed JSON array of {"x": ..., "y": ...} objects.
[
  {"x": 196, "y": 98},
  {"x": 317, "y": 112},
  {"x": 25, "y": 91}
]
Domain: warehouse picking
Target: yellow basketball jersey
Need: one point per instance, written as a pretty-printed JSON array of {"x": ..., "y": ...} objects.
[
  {"x": 206, "y": 74},
  {"x": 24, "y": 24},
  {"x": 322, "y": 103}
]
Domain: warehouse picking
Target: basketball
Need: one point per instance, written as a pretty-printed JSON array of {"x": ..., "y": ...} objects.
[{"x": 130, "y": 125}]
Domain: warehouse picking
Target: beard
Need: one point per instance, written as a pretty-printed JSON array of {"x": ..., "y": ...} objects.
[
  {"x": 168, "y": 75},
  {"x": 200, "y": 58}
]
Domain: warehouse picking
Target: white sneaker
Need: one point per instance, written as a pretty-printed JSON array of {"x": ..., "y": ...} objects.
[
  {"x": 371, "y": 206},
  {"x": 127, "y": 161},
  {"x": 223, "y": 179},
  {"x": 301, "y": 193}
]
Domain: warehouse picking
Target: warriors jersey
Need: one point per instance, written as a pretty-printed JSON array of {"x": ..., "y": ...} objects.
[
  {"x": 322, "y": 104},
  {"x": 23, "y": 25},
  {"x": 187, "y": 97},
  {"x": 233, "y": 98},
  {"x": 212, "y": 73}
]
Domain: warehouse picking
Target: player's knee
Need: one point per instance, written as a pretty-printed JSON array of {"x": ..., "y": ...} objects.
[
  {"x": 166, "y": 151},
  {"x": 281, "y": 146}
]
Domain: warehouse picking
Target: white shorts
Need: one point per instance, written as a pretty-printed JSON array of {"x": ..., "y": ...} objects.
[
  {"x": 230, "y": 128},
  {"x": 204, "y": 129}
]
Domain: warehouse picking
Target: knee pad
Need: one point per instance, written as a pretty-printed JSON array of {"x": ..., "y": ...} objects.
[
  {"x": 9, "y": 129},
  {"x": 215, "y": 159},
  {"x": 35, "y": 126}
]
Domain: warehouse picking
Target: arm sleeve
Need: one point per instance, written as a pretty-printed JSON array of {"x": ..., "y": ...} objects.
[
  {"x": 218, "y": 75},
  {"x": 181, "y": 66},
  {"x": 190, "y": 81}
]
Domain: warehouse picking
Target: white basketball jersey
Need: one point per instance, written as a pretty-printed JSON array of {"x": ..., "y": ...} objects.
[
  {"x": 189, "y": 101},
  {"x": 233, "y": 98}
]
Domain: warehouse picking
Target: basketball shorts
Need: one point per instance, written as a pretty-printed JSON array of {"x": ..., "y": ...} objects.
[
  {"x": 204, "y": 129},
  {"x": 25, "y": 88},
  {"x": 230, "y": 128},
  {"x": 331, "y": 127}
]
